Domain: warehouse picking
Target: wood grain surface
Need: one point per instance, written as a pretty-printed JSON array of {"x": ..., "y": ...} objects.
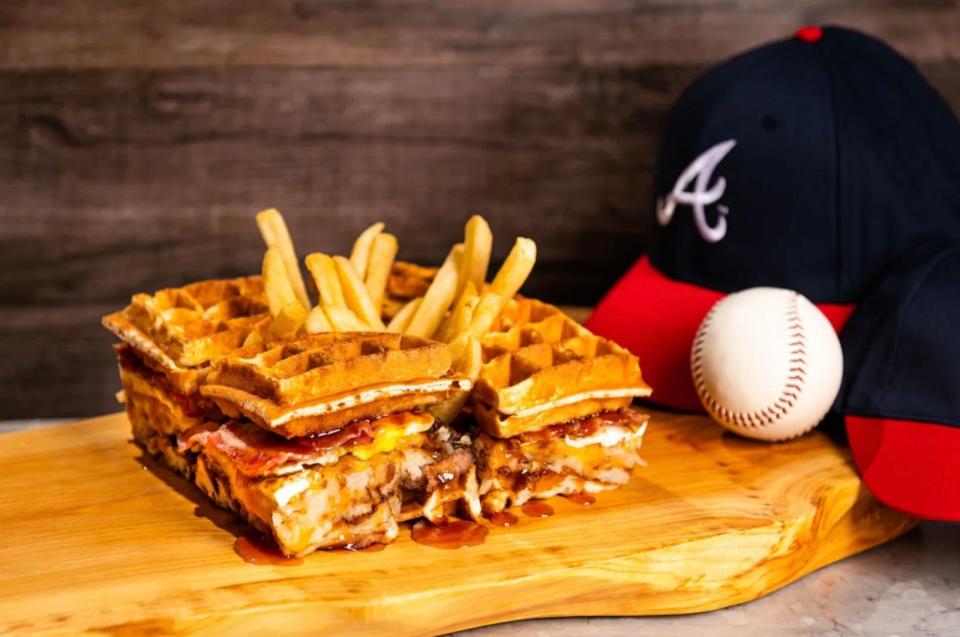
[
  {"x": 100, "y": 540},
  {"x": 137, "y": 140}
]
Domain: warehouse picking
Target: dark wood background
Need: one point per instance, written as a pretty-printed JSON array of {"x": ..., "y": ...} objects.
[{"x": 137, "y": 140}]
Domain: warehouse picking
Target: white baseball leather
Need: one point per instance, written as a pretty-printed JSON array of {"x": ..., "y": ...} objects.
[{"x": 766, "y": 363}]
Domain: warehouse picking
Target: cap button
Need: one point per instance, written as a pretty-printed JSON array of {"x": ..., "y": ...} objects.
[{"x": 809, "y": 34}]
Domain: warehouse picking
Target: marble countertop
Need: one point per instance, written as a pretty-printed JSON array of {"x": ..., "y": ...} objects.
[{"x": 910, "y": 586}]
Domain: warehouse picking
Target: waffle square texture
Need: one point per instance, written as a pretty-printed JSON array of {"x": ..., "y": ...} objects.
[
  {"x": 319, "y": 382},
  {"x": 187, "y": 327},
  {"x": 542, "y": 368}
]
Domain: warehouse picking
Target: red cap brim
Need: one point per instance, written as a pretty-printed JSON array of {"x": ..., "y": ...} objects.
[
  {"x": 910, "y": 466},
  {"x": 656, "y": 318}
]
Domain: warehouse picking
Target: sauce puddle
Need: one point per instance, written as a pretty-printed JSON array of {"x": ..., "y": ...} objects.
[
  {"x": 262, "y": 551},
  {"x": 537, "y": 510},
  {"x": 583, "y": 499},
  {"x": 504, "y": 518},
  {"x": 452, "y": 535}
]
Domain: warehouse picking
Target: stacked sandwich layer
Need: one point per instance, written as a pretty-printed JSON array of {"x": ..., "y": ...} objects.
[
  {"x": 321, "y": 440},
  {"x": 551, "y": 404},
  {"x": 330, "y": 442}
]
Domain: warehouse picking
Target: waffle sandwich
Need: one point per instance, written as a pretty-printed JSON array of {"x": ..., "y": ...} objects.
[
  {"x": 551, "y": 406},
  {"x": 329, "y": 442},
  {"x": 396, "y": 392}
]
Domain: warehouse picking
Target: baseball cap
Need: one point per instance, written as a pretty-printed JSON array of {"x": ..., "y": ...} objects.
[
  {"x": 901, "y": 400},
  {"x": 812, "y": 163}
]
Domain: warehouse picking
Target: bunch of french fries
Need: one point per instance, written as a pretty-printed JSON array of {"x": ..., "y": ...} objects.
[{"x": 458, "y": 308}]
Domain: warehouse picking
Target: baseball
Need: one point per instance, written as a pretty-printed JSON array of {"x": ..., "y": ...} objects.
[{"x": 766, "y": 363}]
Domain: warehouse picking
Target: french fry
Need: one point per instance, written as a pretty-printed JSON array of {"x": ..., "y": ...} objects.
[
  {"x": 343, "y": 319},
  {"x": 401, "y": 320},
  {"x": 464, "y": 319},
  {"x": 505, "y": 285},
  {"x": 462, "y": 310},
  {"x": 486, "y": 312},
  {"x": 467, "y": 359},
  {"x": 317, "y": 322},
  {"x": 477, "y": 243},
  {"x": 254, "y": 338},
  {"x": 360, "y": 255},
  {"x": 356, "y": 295},
  {"x": 439, "y": 296},
  {"x": 275, "y": 235},
  {"x": 276, "y": 284},
  {"x": 515, "y": 270},
  {"x": 467, "y": 355},
  {"x": 288, "y": 322},
  {"x": 446, "y": 411},
  {"x": 382, "y": 255},
  {"x": 325, "y": 278}
]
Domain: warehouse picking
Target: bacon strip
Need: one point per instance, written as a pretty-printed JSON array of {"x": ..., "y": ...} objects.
[
  {"x": 255, "y": 452},
  {"x": 195, "y": 437}
]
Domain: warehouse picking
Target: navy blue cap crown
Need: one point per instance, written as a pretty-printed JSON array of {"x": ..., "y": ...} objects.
[
  {"x": 902, "y": 342},
  {"x": 811, "y": 163}
]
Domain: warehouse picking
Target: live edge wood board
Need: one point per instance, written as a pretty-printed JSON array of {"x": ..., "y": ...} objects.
[{"x": 98, "y": 539}]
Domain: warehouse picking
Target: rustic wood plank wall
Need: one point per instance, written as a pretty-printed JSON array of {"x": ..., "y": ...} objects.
[{"x": 137, "y": 140}]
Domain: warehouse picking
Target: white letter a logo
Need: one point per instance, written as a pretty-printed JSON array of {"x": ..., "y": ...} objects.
[{"x": 700, "y": 172}]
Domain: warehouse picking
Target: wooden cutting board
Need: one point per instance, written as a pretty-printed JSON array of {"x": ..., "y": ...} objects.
[{"x": 98, "y": 539}]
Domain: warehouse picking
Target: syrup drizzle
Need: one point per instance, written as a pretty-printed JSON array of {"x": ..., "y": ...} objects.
[
  {"x": 503, "y": 518},
  {"x": 583, "y": 499},
  {"x": 452, "y": 535},
  {"x": 262, "y": 551},
  {"x": 537, "y": 509}
]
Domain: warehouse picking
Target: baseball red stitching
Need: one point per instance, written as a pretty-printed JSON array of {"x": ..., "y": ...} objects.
[{"x": 796, "y": 375}]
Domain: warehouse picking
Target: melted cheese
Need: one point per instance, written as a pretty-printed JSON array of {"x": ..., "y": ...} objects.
[
  {"x": 388, "y": 436},
  {"x": 608, "y": 436},
  {"x": 584, "y": 457}
]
